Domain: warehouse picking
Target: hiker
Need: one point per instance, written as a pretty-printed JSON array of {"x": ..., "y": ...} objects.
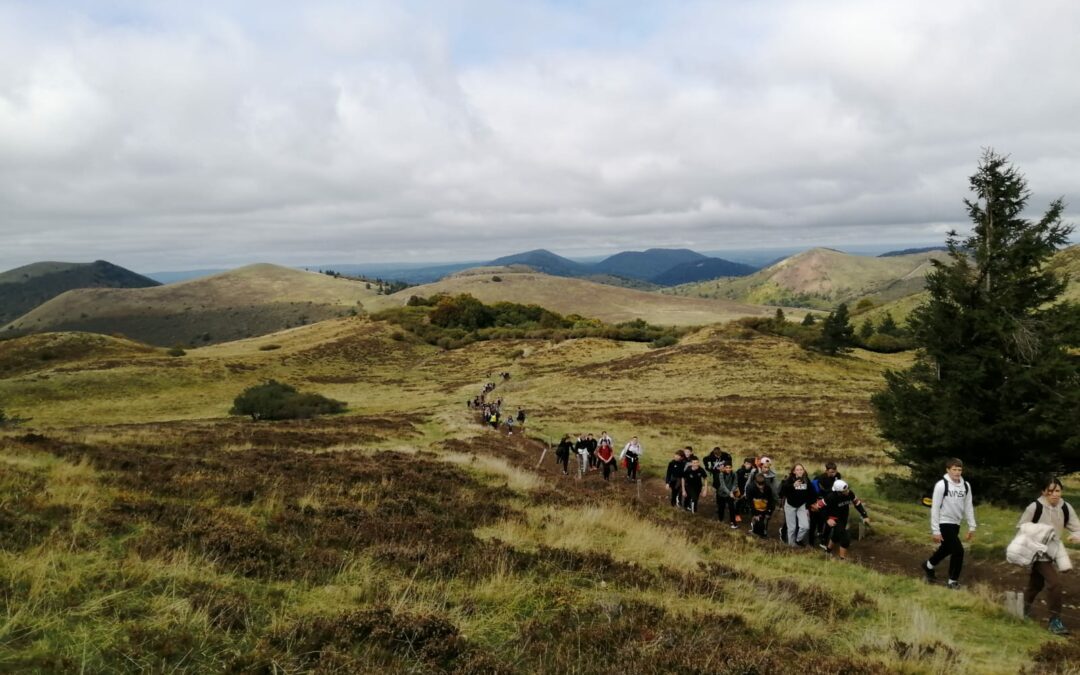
[
  {"x": 836, "y": 506},
  {"x": 694, "y": 485},
  {"x": 606, "y": 437},
  {"x": 675, "y": 469},
  {"x": 797, "y": 493},
  {"x": 822, "y": 486},
  {"x": 582, "y": 449},
  {"x": 762, "y": 501},
  {"x": 631, "y": 457},
  {"x": 1049, "y": 509},
  {"x": 714, "y": 460},
  {"x": 521, "y": 419},
  {"x": 590, "y": 446},
  {"x": 726, "y": 486},
  {"x": 562, "y": 452},
  {"x": 951, "y": 503},
  {"x": 494, "y": 419},
  {"x": 606, "y": 456},
  {"x": 509, "y": 425},
  {"x": 764, "y": 468},
  {"x": 742, "y": 478}
]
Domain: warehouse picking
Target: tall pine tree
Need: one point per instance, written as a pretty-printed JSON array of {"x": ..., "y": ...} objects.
[
  {"x": 837, "y": 333},
  {"x": 994, "y": 382}
]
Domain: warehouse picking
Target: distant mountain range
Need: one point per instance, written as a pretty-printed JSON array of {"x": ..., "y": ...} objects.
[
  {"x": 24, "y": 288},
  {"x": 657, "y": 266}
]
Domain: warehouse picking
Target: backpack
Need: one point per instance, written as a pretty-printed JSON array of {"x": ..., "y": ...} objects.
[
  {"x": 928, "y": 500},
  {"x": 1039, "y": 511}
]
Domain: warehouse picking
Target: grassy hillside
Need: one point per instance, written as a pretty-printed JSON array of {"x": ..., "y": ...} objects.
[
  {"x": 143, "y": 529},
  {"x": 24, "y": 288},
  {"x": 1064, "y": 262},
  {"x": 253, "y": 300},
  {"x": 820, "y": 278},
  {"x": 577, "y": 296}
]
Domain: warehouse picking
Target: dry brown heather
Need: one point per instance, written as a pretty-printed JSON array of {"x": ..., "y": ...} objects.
[{"x": 139, "y": 530}]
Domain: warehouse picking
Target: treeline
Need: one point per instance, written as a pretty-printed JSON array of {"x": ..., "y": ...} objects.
[
  {"x": 455, "y": 321},
  {"x": 380, "y": 286},
  {"x": 834, "y": 333}
]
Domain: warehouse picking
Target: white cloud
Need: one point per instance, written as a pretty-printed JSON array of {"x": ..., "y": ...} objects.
[{"x": 197, "y": 135}]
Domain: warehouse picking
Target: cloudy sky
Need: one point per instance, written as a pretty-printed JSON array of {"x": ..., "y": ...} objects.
[{"x": 174, "y": 135}]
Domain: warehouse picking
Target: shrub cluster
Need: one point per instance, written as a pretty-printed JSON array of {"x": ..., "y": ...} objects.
[
  {"x": 455, "y": 321},
  {"x": 276, "y": 401}
]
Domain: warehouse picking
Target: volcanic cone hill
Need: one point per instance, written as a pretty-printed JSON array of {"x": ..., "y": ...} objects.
[
  {"x": 245, "y": 302},
  {"x": 24, "y": 288}
]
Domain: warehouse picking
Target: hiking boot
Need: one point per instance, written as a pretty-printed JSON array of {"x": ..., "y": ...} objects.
[
  {"x": 823, "y": 547},
  {"x": 952, "y": 585},
  {"x": 734, "y": 526},
  {"x": 1057, "y": 628},
  {"x": 931, "y": 576}
]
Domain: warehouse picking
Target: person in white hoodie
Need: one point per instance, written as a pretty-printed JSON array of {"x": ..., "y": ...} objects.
[
  {"x": 631, "y": 455},
  {"x": 950, "y": 506},
  {"x": 1050, "y": 509}
]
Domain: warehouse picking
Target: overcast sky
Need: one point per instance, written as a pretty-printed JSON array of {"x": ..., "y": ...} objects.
[{"x": 176, "y": 135}]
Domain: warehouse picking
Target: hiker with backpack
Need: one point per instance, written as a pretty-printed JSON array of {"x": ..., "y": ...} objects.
[
  {"x": 582, "y": 449},
  {"x": 951, "y": 503},
  {"x": 762, "y": 502},
  {"x": 1039, "y": 544},
  {"x": 675, "y": 469},
  {"x": 742, "y": 477},
  {"x": 797, "y": 493},
  {"x": 837, "y": 506},
  {"x": 521, "y": 419},
  {"x": 562, "y": 452},
  {"x": 631, "y": 457},
  {"x": 694, "y": 480}
]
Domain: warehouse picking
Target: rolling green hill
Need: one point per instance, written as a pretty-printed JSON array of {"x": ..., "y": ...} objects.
[
  {"x": 249, "y": 301},
  {"x": 24, "y": 288},
  {"x": 577, "y": 296},
  {"x": 820, "y": 278}
]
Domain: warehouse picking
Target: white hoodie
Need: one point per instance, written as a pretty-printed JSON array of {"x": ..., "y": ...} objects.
[
  {"x": 953, "y": 507},
  {"x": 631, "y": 447}
]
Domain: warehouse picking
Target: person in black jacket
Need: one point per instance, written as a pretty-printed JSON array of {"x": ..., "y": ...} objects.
[
  {"x": 742, "y": 475},
  {"x": 822, "y": 486},
  {"x": 562, "y": 452},
  {"x": 836, "y": 507},
  {"x": 713, "y": 461},
  {"x": 590, "y": 446},
  {"x": 797, "y": 493},
  {"x": 762, "y": 502},
  {"x": 675, "y": 469},
  {"x": 693, "y": 481}
]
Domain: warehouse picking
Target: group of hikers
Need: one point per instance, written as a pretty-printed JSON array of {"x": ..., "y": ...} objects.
[
  {"x": 598, "y": 454},
  {"x": 817, "y": 510},
  {"x": 492, "y": 410}
]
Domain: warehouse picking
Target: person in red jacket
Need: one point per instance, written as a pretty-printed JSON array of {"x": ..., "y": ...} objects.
[{"x": 606, "y": 456}]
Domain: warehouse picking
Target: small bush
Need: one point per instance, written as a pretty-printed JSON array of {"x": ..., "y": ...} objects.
[
  {"x": 496, "y": 278},
  {"x": 176, "y": 351},
  {"x": 276, "y": 401},
  {"x": 269, "y": 348},
  {"x": 664, "y": 341}
]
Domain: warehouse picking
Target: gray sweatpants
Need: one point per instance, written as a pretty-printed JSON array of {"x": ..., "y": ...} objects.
[{"x": 798, "y": 523}]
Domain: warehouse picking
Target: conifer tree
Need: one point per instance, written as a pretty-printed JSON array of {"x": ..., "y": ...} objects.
[
  {"x": 994, "y": 382},
  {"x": 888, "y": 325},
  {"x": 809, "y": 319},
  {"x": 837, "y": 333},
  {"x": 866, "y": 330}
]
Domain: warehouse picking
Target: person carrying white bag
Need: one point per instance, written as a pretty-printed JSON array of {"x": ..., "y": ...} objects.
[{"x": 1037, "y": 544}]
